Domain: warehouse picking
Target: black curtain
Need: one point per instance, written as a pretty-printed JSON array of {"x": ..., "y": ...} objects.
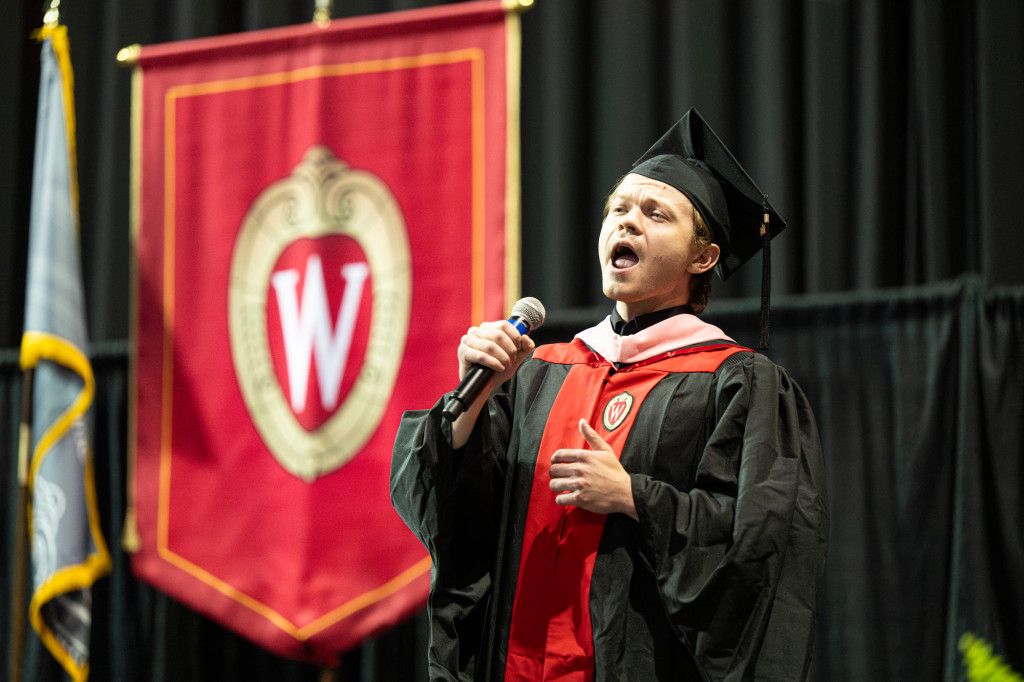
[
  {"x": 918, "y": 397},
  {"x": 888, "y": 134},
  {"x": 919, "y": 400}
]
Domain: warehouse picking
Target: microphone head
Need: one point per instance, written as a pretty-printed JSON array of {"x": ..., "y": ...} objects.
[{"x": 530, "y": 311}]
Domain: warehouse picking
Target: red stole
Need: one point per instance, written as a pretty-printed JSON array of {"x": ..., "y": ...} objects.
[{"x": 550, "y": 636}]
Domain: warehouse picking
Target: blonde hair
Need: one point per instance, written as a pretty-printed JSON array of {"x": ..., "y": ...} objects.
[{"x": 700, "y": 285}]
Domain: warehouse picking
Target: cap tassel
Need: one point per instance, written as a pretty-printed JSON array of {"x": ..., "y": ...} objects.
[{"x": 766, "y": 278}]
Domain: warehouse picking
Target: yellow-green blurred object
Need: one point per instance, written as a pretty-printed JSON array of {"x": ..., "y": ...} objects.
[{"x": 982, "y": 664}]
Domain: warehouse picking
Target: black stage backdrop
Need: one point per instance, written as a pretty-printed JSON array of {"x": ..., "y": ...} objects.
[
  {"x": 889, "y": 135},
  {"x": 918, "y": 398}
]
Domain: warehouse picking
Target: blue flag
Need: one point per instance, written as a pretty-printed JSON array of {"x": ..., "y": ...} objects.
[{"x": 68, "y": 551}]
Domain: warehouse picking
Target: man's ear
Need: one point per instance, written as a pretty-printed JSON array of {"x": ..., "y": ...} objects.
[{"x": 705, "y": 260}]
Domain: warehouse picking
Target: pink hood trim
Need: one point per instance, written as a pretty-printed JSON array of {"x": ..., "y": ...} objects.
[{"x": 675, "y": 332}]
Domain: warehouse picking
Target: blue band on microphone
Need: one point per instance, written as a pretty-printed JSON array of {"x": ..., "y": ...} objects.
[{"x": 518, "y": 324}]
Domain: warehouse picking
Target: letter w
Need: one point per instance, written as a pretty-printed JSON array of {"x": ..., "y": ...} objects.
[{"x": 310, "y": 332}]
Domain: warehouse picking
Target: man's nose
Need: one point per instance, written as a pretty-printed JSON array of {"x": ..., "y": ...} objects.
[{"x": 629, "y": 222}]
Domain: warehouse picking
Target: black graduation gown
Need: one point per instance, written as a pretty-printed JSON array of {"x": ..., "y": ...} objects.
[{"x": 720, "y": 577}]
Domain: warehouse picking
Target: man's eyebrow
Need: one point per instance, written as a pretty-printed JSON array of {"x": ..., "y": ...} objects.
[{"x": 664, "y": 206}]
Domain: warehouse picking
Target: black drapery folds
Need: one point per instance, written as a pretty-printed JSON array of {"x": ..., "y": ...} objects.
[
  {"x": 920, "y": 408},
  {"x": 888, "y": 133}
]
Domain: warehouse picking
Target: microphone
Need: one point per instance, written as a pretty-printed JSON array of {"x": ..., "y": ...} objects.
[{"x": 527, "y": 314}]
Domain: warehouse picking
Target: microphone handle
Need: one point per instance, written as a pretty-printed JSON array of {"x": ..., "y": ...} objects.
[
  {"x": 468, "y": 389},
  {"x": 476, "y": 378}
]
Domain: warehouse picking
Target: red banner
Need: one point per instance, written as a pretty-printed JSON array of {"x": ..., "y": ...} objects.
[{"x": 321, "y": 213}]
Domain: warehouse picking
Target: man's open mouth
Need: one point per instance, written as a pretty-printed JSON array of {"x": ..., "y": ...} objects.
[{"x": 624, "y": 257}]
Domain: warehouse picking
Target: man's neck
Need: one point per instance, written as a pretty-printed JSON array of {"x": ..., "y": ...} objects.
[{"x": 624, "y": 327}]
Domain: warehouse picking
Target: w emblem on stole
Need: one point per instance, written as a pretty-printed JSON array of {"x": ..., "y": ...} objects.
[{"x": 616, "y": 411}]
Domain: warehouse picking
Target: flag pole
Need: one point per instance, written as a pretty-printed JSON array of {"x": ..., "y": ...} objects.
[
  {"x": 51, "y": 19},
  {"x": 18, "y": 603},
  {"x": 52, "y": 16},
  {"x": 54, "y": 332}
]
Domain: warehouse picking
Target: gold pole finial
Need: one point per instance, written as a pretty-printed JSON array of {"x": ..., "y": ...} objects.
[
  {"x": 519, "y": 6},
  {"x": 128, "y": 56},
  {"x": 322, "y": 13},
  {"x": 51, "y": 13}
]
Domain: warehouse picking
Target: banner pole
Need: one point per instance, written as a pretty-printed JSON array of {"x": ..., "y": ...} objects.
[
  {"x": 18, "y": 603},
  {"x": 322, "y": 12},
  {"x": 517, "y": 6},
  {"x": 129, "y": 56}
]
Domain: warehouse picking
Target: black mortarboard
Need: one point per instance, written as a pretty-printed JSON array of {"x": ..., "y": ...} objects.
[{"x": 692, "y": 158}]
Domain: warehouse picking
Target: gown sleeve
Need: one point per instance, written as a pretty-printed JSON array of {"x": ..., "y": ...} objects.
[
  {"x": 449, "y": 499},
  {"x": 739, "y": 558}
]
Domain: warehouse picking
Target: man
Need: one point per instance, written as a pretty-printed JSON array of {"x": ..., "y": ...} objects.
[{"x": 646, "y": 502}]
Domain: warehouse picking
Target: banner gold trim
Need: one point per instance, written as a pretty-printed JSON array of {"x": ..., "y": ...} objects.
[
  {"x": 475, "y": 57},
  {"x": 513, "y": 186}
]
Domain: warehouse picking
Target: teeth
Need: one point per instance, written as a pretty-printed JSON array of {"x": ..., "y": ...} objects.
[{"x": 624, "y": 257}]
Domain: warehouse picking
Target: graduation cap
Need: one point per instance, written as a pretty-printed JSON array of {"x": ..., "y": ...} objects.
[{"x": 694, "y": 160}]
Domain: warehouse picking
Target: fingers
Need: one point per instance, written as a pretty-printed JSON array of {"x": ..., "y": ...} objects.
[
  {"x": 568, "y": 484},
  {"x": 593, "y": 478},
  {"x": 564, "y": 466},
  {"x": 593, "y": 439},
  {"x": 526, "y": 345},
  {"x": 568, "y": 472},
  {"x": 495, "y": 345}
]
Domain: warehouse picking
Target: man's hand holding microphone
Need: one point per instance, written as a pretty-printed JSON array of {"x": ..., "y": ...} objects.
[{"x": 488, "y": 356}]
